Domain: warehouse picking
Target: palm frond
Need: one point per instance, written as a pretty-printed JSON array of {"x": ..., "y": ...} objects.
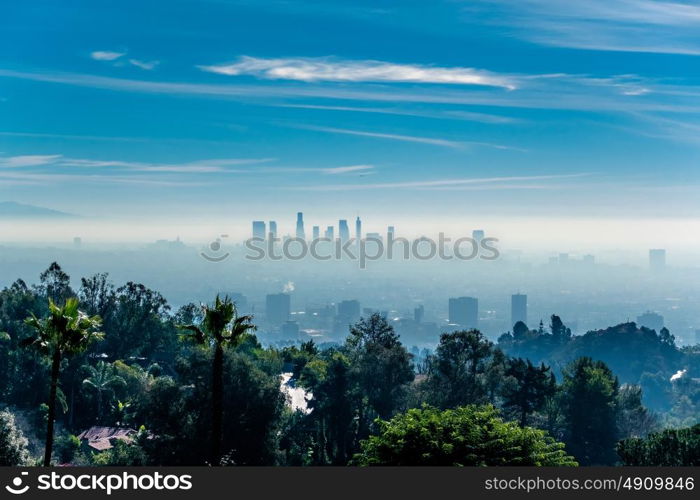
[
  {"x": 194, "y": 333},
  {"x": 61, "y": 397}
]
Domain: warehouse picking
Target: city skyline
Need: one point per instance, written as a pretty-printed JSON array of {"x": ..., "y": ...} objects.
[
  {"x": 444, "y": 122},
  {"x": 351, "y": 233}
]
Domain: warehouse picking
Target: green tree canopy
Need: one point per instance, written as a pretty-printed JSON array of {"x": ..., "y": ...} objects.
[
  {"x": 458, "y": 370},
  {"x": 13, "y": 445},
  {"x": 589, "y": 399},
  {"x": 671, "y": 447},
  {"x": 381, "y": 367},
  {"x": 526, "y": 388},
  {"x": 466, "y": 436}
]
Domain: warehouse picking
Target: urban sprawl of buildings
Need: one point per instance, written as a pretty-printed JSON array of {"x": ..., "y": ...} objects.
[{"x": 331, "y": 321}]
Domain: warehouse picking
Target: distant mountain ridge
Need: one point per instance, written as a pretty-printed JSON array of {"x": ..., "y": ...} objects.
[{"x": 14, "y": 209}]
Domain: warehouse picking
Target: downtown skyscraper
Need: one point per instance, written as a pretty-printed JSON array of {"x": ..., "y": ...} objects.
[
  {"x": 518, "y": 308},
  {"x": 343, "y": 230},
  {"x": 300, "y": 226},
  {"x": 464, "y": 311}
]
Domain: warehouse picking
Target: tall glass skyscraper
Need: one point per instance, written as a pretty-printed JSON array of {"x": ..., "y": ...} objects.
[
  {"x": 300, "y": 226},
  {"x": 277, "y": 308},
  {"x": 259, "y": 229},
  {"x": 464, "y": 311},
  {"x": 518, "y": 308},
  {"x": 343, "y": 230}
]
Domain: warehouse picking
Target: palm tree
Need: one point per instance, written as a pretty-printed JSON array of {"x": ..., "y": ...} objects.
[
  {"x": 65, "y": 331},
  {"x": 220, "y": 328},
  {"x": 103, "y": 380}
]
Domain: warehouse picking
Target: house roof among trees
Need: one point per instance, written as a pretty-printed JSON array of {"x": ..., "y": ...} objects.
[{"x": 101, "y": 438}]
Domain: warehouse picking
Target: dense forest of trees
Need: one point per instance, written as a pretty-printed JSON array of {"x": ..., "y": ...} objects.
[{"x": 198, "y": 388}]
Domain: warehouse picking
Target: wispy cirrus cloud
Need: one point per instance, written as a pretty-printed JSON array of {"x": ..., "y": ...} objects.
[
  {"x": 656, "y": 26},
  {"x": 394, "y": 137},
  {"x": 117, "y": 58},
  {"x": 34, "y": 178},
  {"x": 225, "y": 165},
  {"x": 447, "y": 143},
  {"x": 572, "y": 92},
  {"x": 60, "y": 161},
  {"x": 443, "y": 114},
  {"x": 504, "y": 182},
  {"x": 346, "y": 170},
  {"x": 332, "y": 70},
  {"x": 27, "y": 160},
  {"x": 144, "y": 65},
  {"x": 105, "y": 55}
]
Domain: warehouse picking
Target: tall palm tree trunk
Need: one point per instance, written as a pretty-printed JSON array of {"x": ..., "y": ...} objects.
[
  {"x": 99, "y": 405},
  {"x": 217, "y": 400},
  {"x": 55, "y": 366}
]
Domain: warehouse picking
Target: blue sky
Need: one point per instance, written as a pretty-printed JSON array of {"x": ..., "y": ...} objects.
[{"x": 389, "y": 109}]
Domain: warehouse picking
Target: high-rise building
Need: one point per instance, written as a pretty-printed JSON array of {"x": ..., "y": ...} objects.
[
  {"x": 259, "y": 229},
  {"x": 277, "y": 308},
  {"x": 273, "y": 229},
  {"x": 300, "y": 226},
  {"x": 77, "y": 242},
  {"x": 651, "y": 320},
  {"x": 518, "y": 308},
  {"x": 358, "y": 229},
  {"x": 588, "y": 259},
  {"x": 316, "y": 232},
  {"x": 464, "y": 311},
  {"x": 343, "y": 230},
  {"x": 657, "y": 259},
  {"x": 390, "y": 232},
  {"x": 349, "y": 311},
  {"x": 329, "y": 233},
  {"x": 478, "y": 235},
  {"x": 418, "y": 313}
]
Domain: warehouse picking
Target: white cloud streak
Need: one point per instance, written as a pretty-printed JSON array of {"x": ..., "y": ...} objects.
[
  {"x": 27, "y": 160},
  {"x": 538, "y": 92},
  {"x": 407, "y": 138},
  {"x": 509, "y": 182},
  {"x": 610, "y": 25},
  {"x": 59, "y": 161},
  {"x": 102, "y": 55},
  {"x": 394, "y": 137},
  {"x": 345, "y": 170},
  {"x": 330, "y": 70},
  {"x": 447, "y": 114},
  {"x": 116, "y": 57},
  {"x": 225, "y": 165},
  {"x": 144, "y": 65},
  {"x": 52, "y": 178}
]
